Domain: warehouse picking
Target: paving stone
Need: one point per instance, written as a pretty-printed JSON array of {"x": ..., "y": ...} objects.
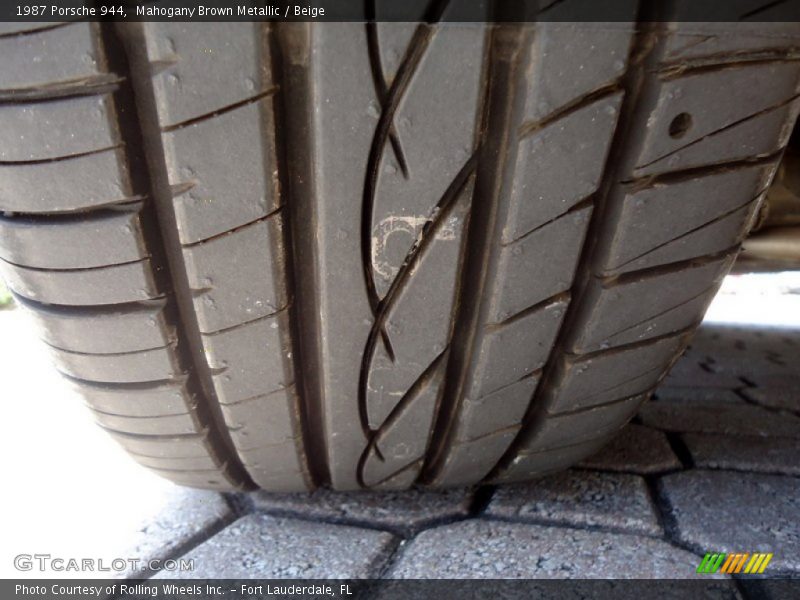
[
  {"x": 479, "y": 549},
  {"x": 697, "y": 394},
  {"x": 719, "y": 417},
  {"x": 259, "y": 546},
  {"x": 762, "y": 339},
  {"x": 637, "y": 449},
  {"x": 748, "y": 365},
  {"x": 688, "y": 372},
  {"x": 403, "y": 512},
  {"x": 725, "y": 511},
  {"x": 617, "y": 501},
  {"x": 753, "y": 353},
  {"x": 765, "y": 455},
  {"x": 785, "y": 395},
  {"x": 183, "y": 516}
]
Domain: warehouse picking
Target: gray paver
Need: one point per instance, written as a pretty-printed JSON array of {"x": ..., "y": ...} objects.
[
  {"x": 764, "y": 455},
  {"x": 785, "y": 396},
  {"x": 688, "y": 372},
  {"x": 581, "y": 498},
  {"x": 499, "y": 549},
  {"x": 185, "y": 514},
  {"x": 724, "y": 511},
  {"x": 719, "y": 417},
  {"x": 404, "y": 512},
  {"x": 637, "y": 449},
  {"x": 697, "y": 394},
  {"x": 260, "y": 546}
]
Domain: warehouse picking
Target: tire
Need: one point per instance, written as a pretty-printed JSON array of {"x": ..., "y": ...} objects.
[{"x": 372, "y": 256}]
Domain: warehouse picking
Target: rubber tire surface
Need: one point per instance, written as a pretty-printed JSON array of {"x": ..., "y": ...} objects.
[{"x": 371, "y": 256}]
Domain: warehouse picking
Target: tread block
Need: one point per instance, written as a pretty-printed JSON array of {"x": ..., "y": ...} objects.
[
  {"x": 136, "y": 401},
  {"x": 586, "y": 382},
  {"x": 581, "y": 426},
  {"x": 160, "y": 425},
  {"x": 248, "y": 361},
  {"x": 543, "y": 189},
  {"x": 687, "y": 213},
  {"x": 548, "y": 461},
  {"x": 116, "y": 284},
  {"x": 758, "y": 123},
  {"x": 276, "y": 468},
  {"x": 192, "y": 463},
  {"x": 71, "y": 184},
  {"x": 232, "y": 184},
  {"x": 471, "y": 461},
  {"x": 183, "y": 446},
  {"x": 261, "y": 421},
  {"x": 44, "y": 58},
  {"x": 54, "y": 129},
  {"x": 571, "y": 60},
  {"x": 515, "y": 349},
  {"x": 208, "y": 479},
  {"x": 208, "y": 66},
  {"x": 140, "y": 327},
  {"x": 136, "y": 367},
  {"x": 116, "y": 238},
  {"x": 255, "y": 288},
  {"x": 651, "y": 305},
  {"x": 524, "y": 279},
  {"x": 498, "y": 410}
]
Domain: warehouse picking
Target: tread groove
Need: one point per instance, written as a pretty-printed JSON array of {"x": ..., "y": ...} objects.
[
  {"x": 289, "y": 44},
  {"x": 292, "y": 365}
]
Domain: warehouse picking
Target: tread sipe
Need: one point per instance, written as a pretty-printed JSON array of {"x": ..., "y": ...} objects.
[{"x": 369, "y": 256}]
